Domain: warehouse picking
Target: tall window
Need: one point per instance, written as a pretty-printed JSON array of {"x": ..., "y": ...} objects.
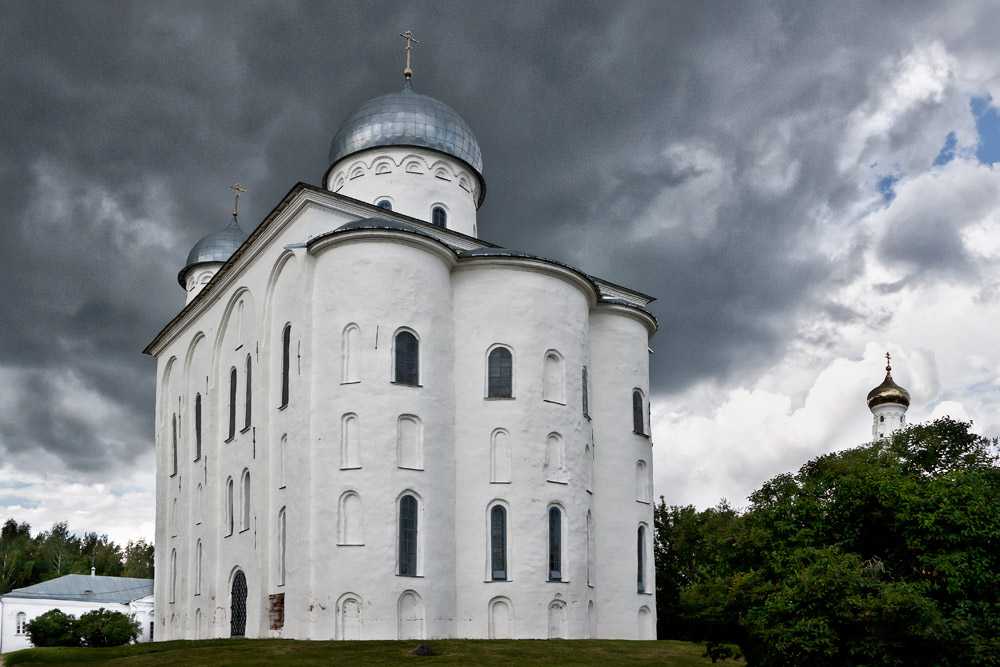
[
  {"x": 351, "y": 530},
  {"x": 173, "y": 444},
  {"x": 641, "y": 559},
  {"x": 498, "y": 543},
  {"x": 229, "y": 506},
  {"x": 500, "y": 456},
  {"x": 197, "y": 426},
  {"x": 555, "y": 544},
  {"x": 232, "y": 403},
  {"x": 349, "y": 353},
  {"x": 642, "y": 490},
  {"x": 245, "y": 497},
  {"x": 282, "y": 539},
  {"x": 553, "y": 378},
  {"x": 173, "y": 575},
  {"x": 286, "y": 345},
  {"x": 282, "y": 460},
  {"x": 500, "y": 373},
  {"x": 590, "y": 549},
  {"x": 407, "y": 358},
  {"x": 408, "y": 536},
  {"x": 350, "y": 441},
  {"x": 22, "y": 622},
  {"x": 198, "y": 504},
  {"x": 197, "y": 570},
  {"x": 585, "y": 395},
  {"x": 439, "y": 217},
  {"x": 638, "y": 418},
  {"x": 248, "y": 400}
]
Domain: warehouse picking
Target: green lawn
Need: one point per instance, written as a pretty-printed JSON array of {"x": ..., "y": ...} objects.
[{"x": 244, "y": 652}]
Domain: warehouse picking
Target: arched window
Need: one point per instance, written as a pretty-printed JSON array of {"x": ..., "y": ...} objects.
[
  {"x": 498, "y": 543},
  {"x": 641, "y": 559},
  {"x": 173, "y": 444},
  {"x": 282, "y": 460},
  {"x": 286, "y": 345},
  {"x": 500, "y": 456},
  {"x": 197, "y": 427},
  {"x": 198, "y": 504},
  {"x": 500, "y": 619},
  {"x": 500, "y": 373},
  {"x": 22, "y": 623},
  {"x": 557, "y": 620},
  {"x": 553, "y": 378},
  {"x": 642, "y": 482},
  {"x": 590, "y": 549},
  {"x": 409, "y": 443},
  {"x": 173, "y": 575},
  {"x": 585, "y": 394},
  {"x": 350, "y": 519},
  {"x": 232, "y": 404},
  {"x": 229, "y": 506},
  {"x": 349, "y": 353},
  {"x": 555, "y": 544},
  {"x": 439, "y": 217},
  {"x": 350, "y": 441},
  {"x": 554, "y": 458},
  {"x": 407, "y": 353},
  {"x": 408, "y": 536},
  {"x": 384, "y": 204},
  {"x": 282, "y": 540},
  {"x": 173, "y": 517},
  {"x": 248, "y": 401},
  {"x": 410, "y": 614},
  {"x": 197, "y": 569},
  {"x": 245, "y": 498},
  {"x": 638, "y": 417}
]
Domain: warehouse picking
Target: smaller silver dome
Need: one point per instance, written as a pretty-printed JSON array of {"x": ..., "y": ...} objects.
[{"x": 216, "y": 247}]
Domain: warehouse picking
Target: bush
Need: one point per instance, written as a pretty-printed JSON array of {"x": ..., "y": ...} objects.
[
  {"x": 53, "y": 628},
  {"x": 103, "y": 627}
]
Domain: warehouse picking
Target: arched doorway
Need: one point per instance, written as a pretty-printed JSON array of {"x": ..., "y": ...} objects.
[{"x": 238, "y": 606}]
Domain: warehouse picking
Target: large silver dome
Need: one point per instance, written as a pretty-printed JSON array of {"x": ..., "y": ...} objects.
[
  {"x": 218, "y": 246},
  {"x": 408, "y": 119}
]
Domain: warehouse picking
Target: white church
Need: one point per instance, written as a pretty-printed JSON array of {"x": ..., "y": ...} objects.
[{"x": 371, "y": 423}]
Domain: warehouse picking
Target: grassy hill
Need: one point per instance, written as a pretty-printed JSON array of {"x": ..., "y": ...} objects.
[{"x": 247, "y": 652}]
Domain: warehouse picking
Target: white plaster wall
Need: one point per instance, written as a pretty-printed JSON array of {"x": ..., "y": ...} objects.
[
  {"x": 381, "y": 281},
  {"x": 198, "y": 277},
  {"x": 619, "y": 363},
  {"x": 895, "y": 419},
  {"x": 414, "y": 180},
  {"x": 10, "y": 607}
]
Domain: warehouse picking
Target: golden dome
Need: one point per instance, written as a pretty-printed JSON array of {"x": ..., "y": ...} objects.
[{"x": 888, "y": 391}]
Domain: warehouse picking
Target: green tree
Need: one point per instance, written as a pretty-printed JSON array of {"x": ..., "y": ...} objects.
[
  {"x": 103, "y": 627},
  {"x": 138, "y": 560},
  {"x": 53, "y": 628}
]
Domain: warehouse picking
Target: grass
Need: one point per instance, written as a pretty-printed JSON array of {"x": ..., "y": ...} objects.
[{"x": 247, "y": 652}]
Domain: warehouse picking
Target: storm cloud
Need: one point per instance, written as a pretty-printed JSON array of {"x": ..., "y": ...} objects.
[{"x": 723, "y": 157}]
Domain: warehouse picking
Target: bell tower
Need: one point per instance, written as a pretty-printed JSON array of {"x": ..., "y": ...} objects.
[{"x": 888, "y": 403}]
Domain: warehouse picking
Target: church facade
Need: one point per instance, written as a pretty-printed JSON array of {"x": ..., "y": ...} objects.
[{"x": 373, "y": 424}]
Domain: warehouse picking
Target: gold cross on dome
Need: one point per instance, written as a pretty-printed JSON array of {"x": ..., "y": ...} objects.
[
  {"x": 237, "y": 189},
  {"x": 888, "y": 362},
  {"x": 410, "y": 41}
]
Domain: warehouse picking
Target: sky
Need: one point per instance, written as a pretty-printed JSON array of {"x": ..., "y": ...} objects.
[{"x": 803, "y": 187}]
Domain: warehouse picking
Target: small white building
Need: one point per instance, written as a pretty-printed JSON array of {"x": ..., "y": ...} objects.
[
  {"x": 373, "y": 424},
  {"x": 74, "y": 594}
]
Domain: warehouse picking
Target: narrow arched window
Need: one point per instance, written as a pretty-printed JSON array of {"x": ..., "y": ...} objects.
[
  {"x": 590, "y": 549},
  {"x": 286, "y": 345},
  {"x": 498, "y": 543},
  {"x": 232, "y": 404},
  {"x": 349, "y": 353},
  {"x": 173, "y": 444},
  {"x": 638, "y": 420},
  {"x": 384, "y": 204},
  {"x": 553, "y": 378},
  {"x": 197, "y": 570},
  {"x": 408, "y": 536},
  {"x": 198, "y": 504},
  {"x": 197, "y": 427},
  {"x": 407, "y": 351},
  {"x": 500, "y": 456},
  {"x": 500, "y": 373},
  {"x": 282, "y": 539},
  {"x": 350, "y": 441},
  {"x": 22, "y": 623},
  {"x": 351, "y": 530},
  {"x": 439, "y": 217},
  {"x": 555, "y": 544},
  {"x": 641, "y": 559},
  {"x": 245, "y": 497},
  {"x": 173, "y": 575},
  {"x": 555, "y": 459},
  {"x": 282, "y": 460},
  {"x": 584, "y": 393},
  {"x": 173, "y": 517},
  {"x": 229, "y": 506},
  {"x": 248, "y": 400},
  {"x": 641, "y": 482},
  {"x": 409, "y": 443}
]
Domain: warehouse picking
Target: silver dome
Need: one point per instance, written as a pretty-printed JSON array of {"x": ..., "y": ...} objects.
[
  {"x": 218, "y": 246},
  {"x": 408, "y": 119}
]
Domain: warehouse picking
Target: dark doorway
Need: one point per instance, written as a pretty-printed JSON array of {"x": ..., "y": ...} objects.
[{"x": 238, "y": 606}]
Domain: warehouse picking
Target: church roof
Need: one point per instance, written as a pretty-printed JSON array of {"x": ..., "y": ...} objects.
[
  {"x": 408, "y": 118},
  {"x": 215, "y": 247},
  {"x": 888, "y": 392},
  {"x": 87, "y": 588}
]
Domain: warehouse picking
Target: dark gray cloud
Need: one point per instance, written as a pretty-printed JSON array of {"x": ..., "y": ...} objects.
[{"x": 602, "y": 125}]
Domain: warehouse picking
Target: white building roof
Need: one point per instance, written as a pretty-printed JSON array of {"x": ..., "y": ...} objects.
[{"x": 87, "y": 588}]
